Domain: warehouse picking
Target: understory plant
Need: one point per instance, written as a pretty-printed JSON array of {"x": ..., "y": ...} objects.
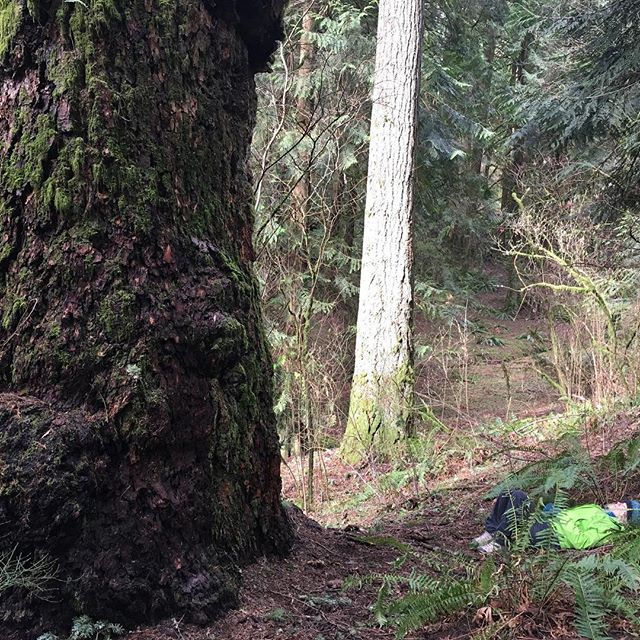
[
  {"x": 599, "y": 587},
  {"x": 584, "y": 275},
  {"x": 309, "y": 160},
  {"x": 18, "y": 571},
  {"x": 84, "y": 628},
  {"x": 574, "y": 471}
]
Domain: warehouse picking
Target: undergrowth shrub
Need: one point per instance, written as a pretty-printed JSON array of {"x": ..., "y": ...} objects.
[
  {"x": 18, "y": 571},
  {"x": 84, "y": 628},
  {"x": 612, "y": 476},
  {"x": 599, "y": 586},
  {"x": 585, "y": 277}
]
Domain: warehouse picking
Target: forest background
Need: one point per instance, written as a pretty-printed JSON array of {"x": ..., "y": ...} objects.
[
  {"x": 525, "y": 319},
  {"x": 527, "y": 183}
]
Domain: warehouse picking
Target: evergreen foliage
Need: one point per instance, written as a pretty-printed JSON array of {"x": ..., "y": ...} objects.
[
  {"x": 84, "y": 628},
  {"x": 309, "y": 160},
  {"x": 599, "y": 584},
  {"x": 588, "y": 108},
  {"x": 574, "y": 470}
]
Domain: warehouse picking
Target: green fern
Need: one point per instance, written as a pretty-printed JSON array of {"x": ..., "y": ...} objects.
[
  {"x": 601, "y": 583},
  {"x": 428, "y": 599},
  {"x": 590, "y": 602},
  {"x": 627, "y": 545},
  {"x": 574, "y": 470},
  {"x": 84, "y": 628},
  {"x": 414, "y": 610},
  {"x": 626, "y": 574}
]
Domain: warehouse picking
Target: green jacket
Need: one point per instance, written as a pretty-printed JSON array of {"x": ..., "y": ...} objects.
[{"x": 584, "y": 527}]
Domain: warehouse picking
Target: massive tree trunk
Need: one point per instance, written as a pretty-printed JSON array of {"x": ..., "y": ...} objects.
[
  {"x": 138, "y": 447},
  {"x": 382, "y": 388}
]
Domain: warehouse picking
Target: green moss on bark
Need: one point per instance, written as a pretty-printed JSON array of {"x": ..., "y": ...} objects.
[
  {"x": 10, "y": 17},
  {"x": 379, "y": 415},
  {"x": 127, "y": 205},
  {"x": 13, "y": 307},
  {"x": 62, "y": 191},
  {"x": 25, "y": 165},
  {"x": 116, "y": 316},
  {"x": 6, "y": 249}
]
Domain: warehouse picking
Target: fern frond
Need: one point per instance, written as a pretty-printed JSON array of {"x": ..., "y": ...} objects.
[
  {"x": 414, "y": 610},
  {"x": 590, "y": 602},
  {"x": 625, "y": 573}
]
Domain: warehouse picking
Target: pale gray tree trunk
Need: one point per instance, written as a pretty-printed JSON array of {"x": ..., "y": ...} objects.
[{"x": 382, "y": 389}]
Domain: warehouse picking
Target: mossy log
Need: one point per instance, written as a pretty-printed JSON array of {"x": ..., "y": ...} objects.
[{"x": 138, "y": 447}]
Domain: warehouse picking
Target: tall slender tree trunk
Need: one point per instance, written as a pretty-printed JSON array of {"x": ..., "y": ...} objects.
[
  {"x": 138, "y": 445},
  {"x": 304, "y": 106},
  {"x": 382, "y": 388},
  {"x": 511, "y": 175},
  {"x": 301, "y": 200}
]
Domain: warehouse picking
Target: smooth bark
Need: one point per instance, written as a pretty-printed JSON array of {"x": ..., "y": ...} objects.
[{"x": 382, "y": 388}]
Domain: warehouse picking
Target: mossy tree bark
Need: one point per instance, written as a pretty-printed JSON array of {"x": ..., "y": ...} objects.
[
  {"x": 382, "y": 389},
  {"x": 138, "y": 447}
]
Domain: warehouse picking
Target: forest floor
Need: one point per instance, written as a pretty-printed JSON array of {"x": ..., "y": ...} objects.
[{"x": 420, "y": 515}]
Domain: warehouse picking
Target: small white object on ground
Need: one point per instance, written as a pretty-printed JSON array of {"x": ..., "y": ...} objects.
[
  {"x": 491, "y": 547},
  {"x": 485, "y": 538}
]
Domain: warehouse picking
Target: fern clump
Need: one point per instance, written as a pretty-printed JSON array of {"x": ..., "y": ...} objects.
[
  {"x": 84, "y": 628},
  {"x": 601, "y": 586},
  {"x": 426, "y": 599}
]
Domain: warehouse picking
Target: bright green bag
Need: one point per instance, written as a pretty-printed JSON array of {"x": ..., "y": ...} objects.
[{"x": 584, "y": 527}]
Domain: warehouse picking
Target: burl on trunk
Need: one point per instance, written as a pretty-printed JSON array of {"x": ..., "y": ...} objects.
[{"x": 137, "y": 442}]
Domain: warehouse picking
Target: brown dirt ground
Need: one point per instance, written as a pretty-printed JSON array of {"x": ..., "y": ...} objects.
[
  {"x": 302, "y": 597},
  {"x": 484, "y": 367}
]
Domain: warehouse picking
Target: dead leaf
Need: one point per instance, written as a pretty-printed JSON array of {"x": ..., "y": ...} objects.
[{"x": 483, "y": 616}]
